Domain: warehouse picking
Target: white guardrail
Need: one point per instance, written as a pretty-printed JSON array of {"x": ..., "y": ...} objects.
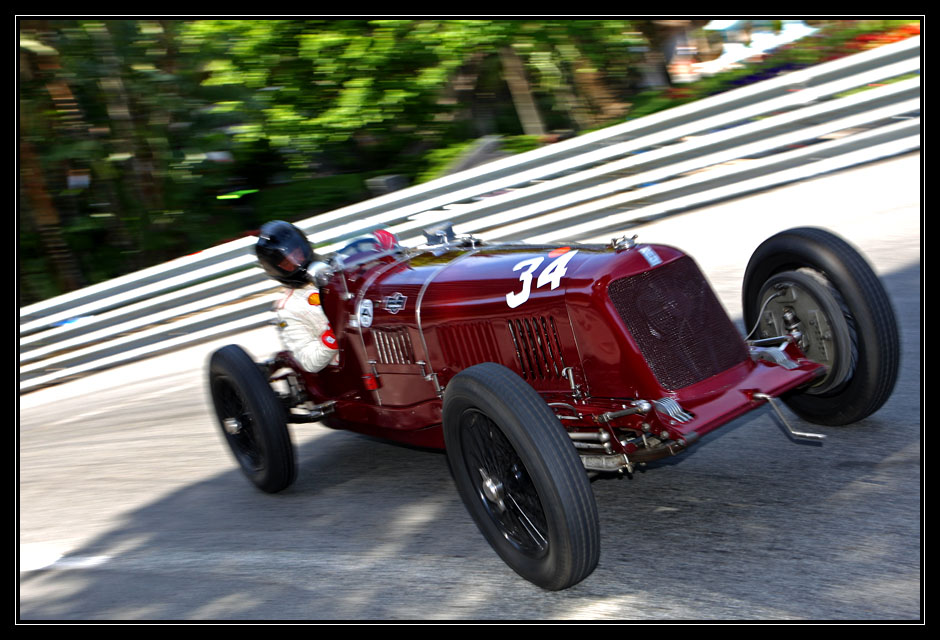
[{"x": 819, "y": 119}]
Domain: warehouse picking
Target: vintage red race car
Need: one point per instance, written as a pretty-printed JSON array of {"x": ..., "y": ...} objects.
[{"x": 540, "y": 367}]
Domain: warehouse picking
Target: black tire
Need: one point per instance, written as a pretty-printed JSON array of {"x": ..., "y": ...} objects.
[
  {"x": 850, "y": 301},
  {"x": 520, "y": 477},
  {"x": 252, "y": 419}
]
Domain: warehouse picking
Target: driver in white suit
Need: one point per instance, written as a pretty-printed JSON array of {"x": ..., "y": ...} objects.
[{"x": 285, "y": 254}]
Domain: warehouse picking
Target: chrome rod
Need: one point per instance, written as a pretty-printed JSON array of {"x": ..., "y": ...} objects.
[{"x": 799, "y": 435}]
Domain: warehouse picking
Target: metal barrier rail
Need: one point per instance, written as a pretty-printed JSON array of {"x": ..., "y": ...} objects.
[{"x": 823, "y": 118}]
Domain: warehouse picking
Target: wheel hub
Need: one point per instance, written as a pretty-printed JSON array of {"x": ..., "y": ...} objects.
[
  {"x": 805, "y": 308},
  {"x": 492, "y": 490},
  {"x": 232, "y": 426}
]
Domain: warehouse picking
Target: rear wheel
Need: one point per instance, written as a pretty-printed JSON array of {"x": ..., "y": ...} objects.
[
  {"x": 252, "y": 419},
  {"x": 811, "y": 283},
  {"x": 520, "y": 477}
]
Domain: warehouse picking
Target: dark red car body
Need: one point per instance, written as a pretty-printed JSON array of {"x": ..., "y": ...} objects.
[
  {"x": 540, "y": 368},
  {"x": 607, "y": 327}
]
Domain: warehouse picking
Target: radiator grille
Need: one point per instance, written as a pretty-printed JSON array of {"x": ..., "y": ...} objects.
[
  {"x": 538, "y": 350},
  {"x": 393, "y": 346},
  {"x": 678, "y": 323}
]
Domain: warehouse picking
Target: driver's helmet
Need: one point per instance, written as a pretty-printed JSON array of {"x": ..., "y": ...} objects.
[
  {"x": 377, "y": 241},
  {"x": 284, "y": 253}
]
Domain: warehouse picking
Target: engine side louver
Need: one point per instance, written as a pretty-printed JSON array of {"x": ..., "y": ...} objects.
[
  {"x": 394, "y": 346},
  {"x": 465, "y": 344},
  {"x": 538, "y": 349},
  {"x": 678, "y": 323}
]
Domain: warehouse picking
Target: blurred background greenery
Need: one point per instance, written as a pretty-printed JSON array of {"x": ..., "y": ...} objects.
[{"x": 144, "y": 140}]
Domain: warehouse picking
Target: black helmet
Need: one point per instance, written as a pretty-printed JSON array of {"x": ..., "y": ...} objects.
[{"x": 284, "y": 253}]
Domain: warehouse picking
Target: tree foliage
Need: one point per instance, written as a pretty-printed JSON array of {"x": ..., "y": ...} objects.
[
  {"x": 314, "y": 87},
  {"x": 131, "y": 130},
  {"x": 143, "y": 140}
]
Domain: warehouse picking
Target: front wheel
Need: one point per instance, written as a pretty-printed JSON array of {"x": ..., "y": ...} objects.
[
  {"x": 520, "y": 477},
  {"x": 252, "y": 419},
  {"x": 811, "y": 284}
]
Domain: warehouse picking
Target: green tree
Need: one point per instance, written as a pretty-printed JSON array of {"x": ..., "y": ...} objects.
[
  {"x": 142, "y": 140},
  {"x": 113, "y": 152}
]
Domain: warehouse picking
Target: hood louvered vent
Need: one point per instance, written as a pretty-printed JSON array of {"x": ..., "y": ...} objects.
[
  {"x": 468, "y": 343},
  {"x": 538, "y": 350},
  {"x": 394, "y": 346}
]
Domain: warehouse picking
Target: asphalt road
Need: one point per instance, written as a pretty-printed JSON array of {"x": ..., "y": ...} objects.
[{"x": 130, "y": 507}]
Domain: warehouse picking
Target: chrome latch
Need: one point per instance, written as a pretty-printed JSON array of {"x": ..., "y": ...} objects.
[
  {"x": 623, "y": 242},
  {"x": 568, "y": 372},
  {"x": 673, "y": 409}
]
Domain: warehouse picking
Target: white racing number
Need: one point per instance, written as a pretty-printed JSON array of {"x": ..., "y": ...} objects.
[{"x": 550, "y": 275}]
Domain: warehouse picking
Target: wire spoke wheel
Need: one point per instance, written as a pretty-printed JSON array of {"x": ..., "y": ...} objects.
[
  {"x": 237, "y": 424},
  {"x": 252, "y": 419},
  {"x": 504, "y": 486},
  {"x": 520, "y": 477}
]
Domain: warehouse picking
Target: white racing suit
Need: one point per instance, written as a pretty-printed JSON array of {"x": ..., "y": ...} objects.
[{"x": 305, "y": 330}]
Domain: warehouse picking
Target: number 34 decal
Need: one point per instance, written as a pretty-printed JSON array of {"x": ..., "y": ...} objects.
[{"x": 551, "y": 275}]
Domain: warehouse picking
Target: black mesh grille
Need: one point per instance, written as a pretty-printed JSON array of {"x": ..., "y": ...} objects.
[{"x": 678, "y": 323}]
